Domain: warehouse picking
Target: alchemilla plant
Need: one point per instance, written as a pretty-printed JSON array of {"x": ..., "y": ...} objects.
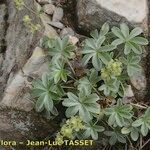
[{"x": 107, "y": 63}]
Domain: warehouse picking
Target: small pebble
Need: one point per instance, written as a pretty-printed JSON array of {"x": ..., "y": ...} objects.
[
  {"x": 50, "y": 31},
  {"x": 45, "y": 18},
  {"x": 58, "y": 25},
  {"x": 49, "y": 9},
  {"x": 74, "y": 40},
  {"x": 58, "y": 14},
  {"x": 44, "y": 1},
  {"x": 66, "y": 31}
]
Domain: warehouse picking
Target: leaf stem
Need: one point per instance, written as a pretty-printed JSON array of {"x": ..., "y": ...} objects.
[
  {"x": 138, "y": 106},
  {"x": 145, "y": 144},
  {"x": 97, "y": 92},
  {"x": 71, "y": 67},
  {"x": 131, "y": 143},
  {"x": 95, "y": 89},
  {"x": 67, "y": 87}
]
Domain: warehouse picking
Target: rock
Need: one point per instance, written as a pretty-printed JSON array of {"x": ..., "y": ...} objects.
[
  {"x": 17, "y": 92},
  {"x": 44, "y": 1},
  {"x": 38, "y": 7},
  {"x": 67, "y": 31},
  {"x": 19, "y": 126},
  {"x": 45, "y": 19},
  {"x": 50, "y": 32},
  {"x": 138, "y": 81},
  {"x": 93, "y": 13},
  {"x": 3, "y": 12},
  {"x": 139, "y": 85},
  {"x": 58, "y": 25},
  {"x": 128, "y": 94},
  {"x": 58, "y": 14},
  {"x": 20, "y": 42},
  {"x": 36, "y": 60},
  {"x": 74, "y": 40},
  {"x": 1, "y": 61},
  {"x": 19, "y": 62},
  {"x": 49, "y": 9}
]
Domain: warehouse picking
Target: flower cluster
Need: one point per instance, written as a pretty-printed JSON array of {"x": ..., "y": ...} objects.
[
  {"x": 33, "y": 27},
  {"x": 19, "y": 4},
  {"x": 114, "y": 68},
  {"x": 26, "y": 19},
  {"x": 73, "y": 124},
  {"x": 59, "y": 138}
]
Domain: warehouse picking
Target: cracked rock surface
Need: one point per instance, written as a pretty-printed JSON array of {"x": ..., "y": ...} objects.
[
  {"x": 93, "y": 13},
  {"x": 20, "y": 58}
]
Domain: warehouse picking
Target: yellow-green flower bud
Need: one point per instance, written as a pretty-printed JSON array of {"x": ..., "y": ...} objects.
[
  {"x": 113, "y": 68},
  {"x": 35, "y": 28},
  {"x": 76, "y": 123},
  {"x": 19, "y": 4},
  {"x": 66, "y": 131},
  {"x": 26, "y": 19},
  {"x": 59, "y": 139},
  {"x": 105, "y": 74}
]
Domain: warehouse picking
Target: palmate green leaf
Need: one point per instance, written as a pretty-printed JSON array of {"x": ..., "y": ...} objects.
[
  {"x": 139, "y": 40},
  {"x": 71, "y": 111},
  {"x": 133, "y": 69},
  {"x": 85, "y": 86},
  {"x": 85, "y": 105},
  {"x": 115, "y": 136},
  {"x": 134, "y": 132},
  {"x": 109, "y": 86},
  {"x": 86, "y": 59},
  {"x": 98, "y": 58},
  {"x": 45, "y": 92},
  {"x": 105, "y": 57},
  {"x": 94, "y": 34},
  {"x": 62, "y": 49},
  {"x": 136, "y": 48},
  {"x": 119, "y": 113},
  {"x": 124, "y": 29},
  {"x": 117, "y": 32},
  {"x": 58, "y": 72},
  {"x": 135, "y": 32},
  {"x": 92, "y": 130},
  {"x": 40, "y": 103},
  {"x": 105, "y": 29},
  {"x": 132, "y": 62},
  {"x": 137, "y": 123},
  {"x": 53, "y": 112},
  {"x": 95, "y": 50},
  {"x": 93, "y": 77},
  {"x": 121, "y": 138},
  {"x": 48, "y": 102},
  {"x": 144, "y": 129},
  {"x": 127, "y": 48},
  {"x": 131, "y": 40},
  {"x": 143, "y": 122},
  {"x": 117, "y": 42},
  {"x": 47, "y": 42},
  {"x": 107, "y": 48},
  {"x": 96, "y": 61}
]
